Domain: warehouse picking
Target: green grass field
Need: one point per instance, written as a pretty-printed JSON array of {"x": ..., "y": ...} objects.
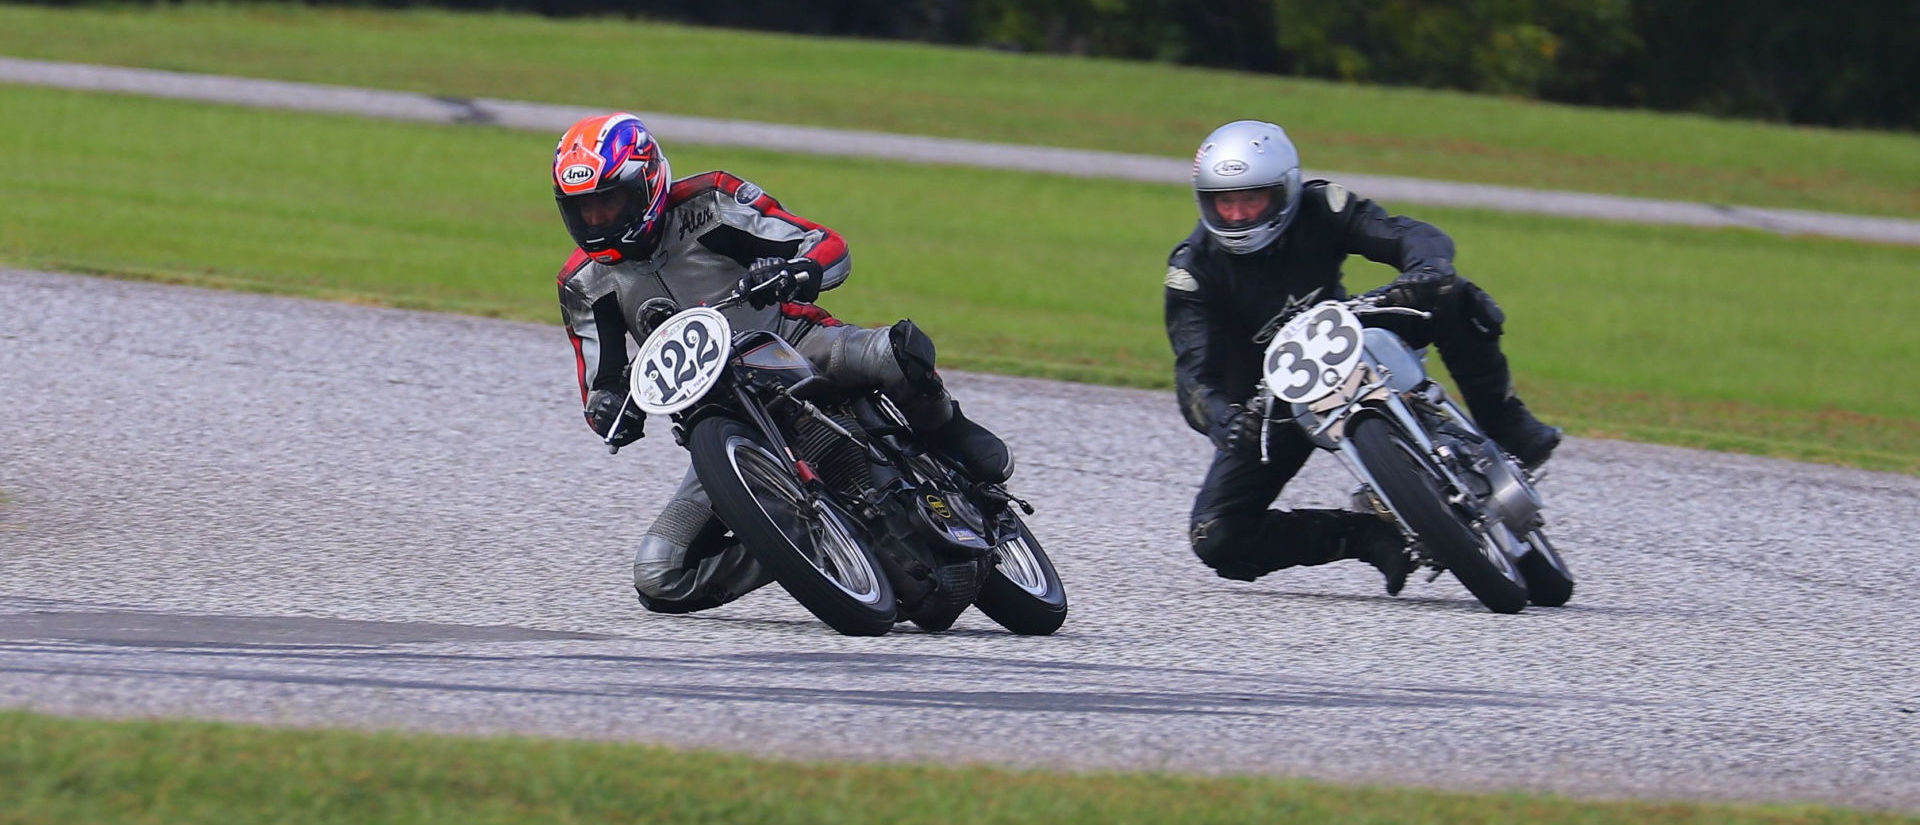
[
  {"x": 1727, "y": 339},
  {"x": 67, "y": 771},
  {"x": 985, "y": 95}
]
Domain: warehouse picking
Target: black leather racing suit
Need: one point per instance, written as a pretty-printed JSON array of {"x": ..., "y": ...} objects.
[{"x": 1216, "y": 304}]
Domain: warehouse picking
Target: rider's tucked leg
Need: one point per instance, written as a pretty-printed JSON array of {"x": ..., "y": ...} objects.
[
  {"x": 687, "y": 561},
  {"x": 900, "y": 361},
  {"x": 1233, "y": 532},
  {"x": 1466, "y": 329}
]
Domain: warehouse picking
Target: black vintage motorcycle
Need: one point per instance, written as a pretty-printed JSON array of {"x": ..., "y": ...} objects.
[
  {"x": 1464, "y": 504},
  {"x": 858, "y": 520}
]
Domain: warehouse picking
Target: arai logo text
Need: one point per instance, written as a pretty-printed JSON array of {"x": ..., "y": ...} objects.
[
  {"x": 577, "y": 173},
  {"x": 1229, "y": 168}
]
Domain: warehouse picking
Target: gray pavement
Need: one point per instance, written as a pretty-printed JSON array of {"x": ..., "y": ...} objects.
[
  {"x": 263, "y": 509},
  {"x": 816, "y": 140}
]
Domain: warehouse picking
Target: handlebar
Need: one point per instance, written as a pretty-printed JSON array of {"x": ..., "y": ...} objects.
[
  {"x": 1365, "y": 305},
  {"x": 803, "y": 270},
  {"x": 1358, "y": 305}
]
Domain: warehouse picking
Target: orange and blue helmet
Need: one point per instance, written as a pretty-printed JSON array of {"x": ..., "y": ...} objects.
[{"x": 611, "y": 180}]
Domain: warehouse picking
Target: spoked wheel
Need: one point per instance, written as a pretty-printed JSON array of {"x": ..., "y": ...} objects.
[
  {"x": 810, "y": 546},
  {"x": 1549, "y": 582},
  {"x": 1401, "y": 471},
  {"x": 1023, "y": 593}
]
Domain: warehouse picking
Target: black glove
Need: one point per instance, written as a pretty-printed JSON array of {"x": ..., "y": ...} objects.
[
  {"x": 769, "y": 281},
  {"x": 1416, "y": 288},
  {"x": 602, "y": 410},
  {"x": 1238, "y": 431}
]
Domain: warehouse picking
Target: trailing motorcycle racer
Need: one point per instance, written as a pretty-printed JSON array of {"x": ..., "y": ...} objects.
[
  {"x": 1266, "y": 244},
  {"x": 648, "y": 243}
]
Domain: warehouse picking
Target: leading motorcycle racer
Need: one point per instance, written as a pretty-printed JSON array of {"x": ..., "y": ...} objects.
[{"x": 647, "y": 242}]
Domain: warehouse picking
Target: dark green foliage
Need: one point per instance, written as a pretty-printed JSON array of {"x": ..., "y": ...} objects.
[{"x": 1842, "y": 64}]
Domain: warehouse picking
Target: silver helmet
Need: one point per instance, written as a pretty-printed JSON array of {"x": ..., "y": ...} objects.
[{"x": 1255, "y": 158}]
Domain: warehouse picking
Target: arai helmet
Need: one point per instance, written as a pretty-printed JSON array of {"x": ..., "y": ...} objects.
[
  {"x": 1235, "y": 166},
  {"x": 611, "y": 180}
]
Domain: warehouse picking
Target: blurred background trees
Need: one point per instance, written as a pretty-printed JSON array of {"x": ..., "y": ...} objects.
[{"x": 1840, "y": 63}]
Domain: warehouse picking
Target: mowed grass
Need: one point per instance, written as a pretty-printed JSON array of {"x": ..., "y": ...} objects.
[
  {"x": 55, "y": 770},
  {"x": 1725, "y": 339},
  {"x": 986, "y": 95}
]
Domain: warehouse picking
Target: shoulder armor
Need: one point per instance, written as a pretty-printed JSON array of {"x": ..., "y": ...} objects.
[
  {"x": 1179, "y": 275},
  {"x": 1335, "y": 197}
]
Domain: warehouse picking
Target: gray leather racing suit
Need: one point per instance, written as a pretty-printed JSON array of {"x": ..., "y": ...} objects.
[{"x": 716, "y": 225}]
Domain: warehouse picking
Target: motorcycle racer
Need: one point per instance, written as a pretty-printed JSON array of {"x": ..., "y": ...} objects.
[
  {"x": 648, "y": 243},
  {"x": 1267, "y": 244}
]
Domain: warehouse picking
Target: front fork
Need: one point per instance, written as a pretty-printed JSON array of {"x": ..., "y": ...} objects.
[{"x": 1395, "y": 407}]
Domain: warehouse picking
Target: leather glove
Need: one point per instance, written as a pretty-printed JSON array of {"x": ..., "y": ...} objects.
[
  {"x": 609, "y": 410},
  {"x": 1416, "y": 288},
  {"x": 1238, "y": 432},
  {"x": 769, "y": 281}
]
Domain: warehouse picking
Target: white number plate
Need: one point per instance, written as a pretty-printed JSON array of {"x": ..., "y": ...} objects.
[
  {"x": 681, "y": 361},
  {"x": 1313, "y": 353}
]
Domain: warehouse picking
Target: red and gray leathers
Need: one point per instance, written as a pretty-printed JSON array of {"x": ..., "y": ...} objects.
[{"x": 716, "y": 226}]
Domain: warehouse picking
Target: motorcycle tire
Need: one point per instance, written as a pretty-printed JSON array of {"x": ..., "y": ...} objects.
[
  {"x": 1023, "y": 593},
  {"x": 1406, "y": 482},
  {"x": 1549, "y": 582},
  {"x": 813, "y": 549}
]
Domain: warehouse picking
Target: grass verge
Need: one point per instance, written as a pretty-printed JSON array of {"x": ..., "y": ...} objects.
[
  {"x": 987, "y": 95},
  {"x": 56, "y": 770},
  {"x": 1725, "y": 338}
]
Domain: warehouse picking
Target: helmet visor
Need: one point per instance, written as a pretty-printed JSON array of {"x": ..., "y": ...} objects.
[
  {"x": 1243, "y": 208},
  {"x": 602, "y": 217}
]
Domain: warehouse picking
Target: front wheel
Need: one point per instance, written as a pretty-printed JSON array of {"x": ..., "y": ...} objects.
[
  {"x": 1549, "y": 582},
  {"x": 1401, "y": 471},
  {"x": 1023, "y": 593},
  {"x": 811, "y": 547}
]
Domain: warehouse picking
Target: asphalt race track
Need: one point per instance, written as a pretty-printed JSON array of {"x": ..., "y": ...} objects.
[{"x": 263, "y": 509}]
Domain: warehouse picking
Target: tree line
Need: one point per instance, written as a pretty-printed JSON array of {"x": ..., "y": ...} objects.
[{"x": 1850, "y": 63}]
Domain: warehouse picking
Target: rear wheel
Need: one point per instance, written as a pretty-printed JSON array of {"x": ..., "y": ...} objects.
[
  {"x": 811, "y": 547},
  {"x": 1023, "y": 593},
  {"x": 1401, "y": 471},
  {"x": 1549, "y": 582}
]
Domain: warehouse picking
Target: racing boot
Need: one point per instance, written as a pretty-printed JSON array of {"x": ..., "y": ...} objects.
[
  {"x": 1511, "y": 425},
  {"x": 922, "y": 395},
  {"x": 985, "y": 456},
  {"x": 1378, "y": 543}
]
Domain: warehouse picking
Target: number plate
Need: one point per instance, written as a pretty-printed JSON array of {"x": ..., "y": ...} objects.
[
  {"x": 1313, "y": 353},
  {"x": 681, "y": 361}
]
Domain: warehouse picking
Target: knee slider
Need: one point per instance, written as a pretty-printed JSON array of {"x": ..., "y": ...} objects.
[
  {"x": 914, "y": 350},
  {"x": 1215, "y": 542}
]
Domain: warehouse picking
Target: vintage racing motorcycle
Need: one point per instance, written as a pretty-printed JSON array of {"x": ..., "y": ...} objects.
[
  {"x": 1465, "y": 504},
  {"x": 831, "y": 490}
]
